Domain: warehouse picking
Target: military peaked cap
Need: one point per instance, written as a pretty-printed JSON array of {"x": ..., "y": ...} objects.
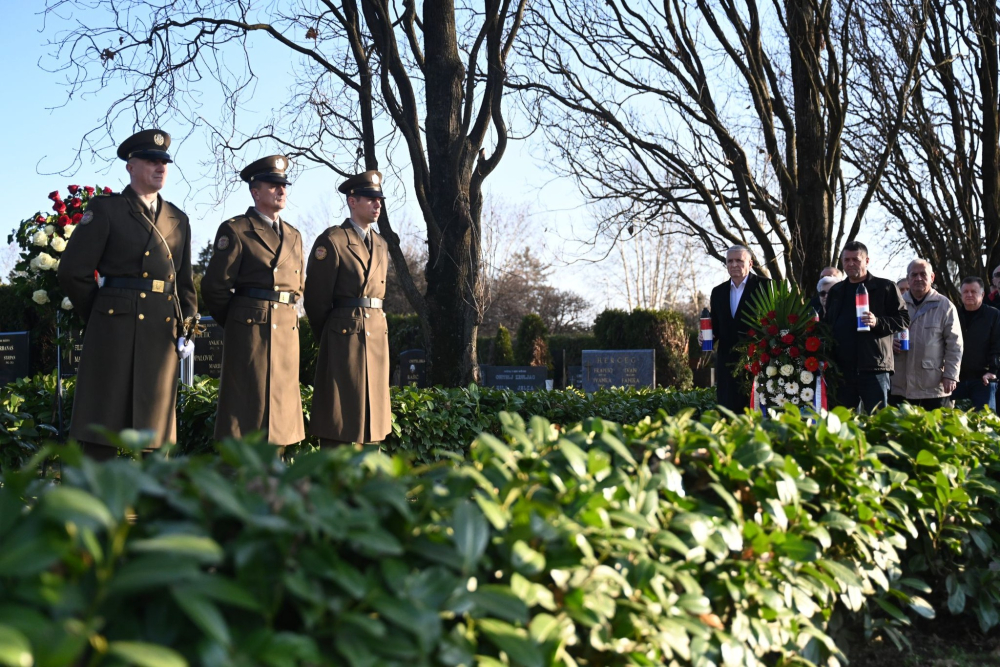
[
  {"x": 148, "y": 145},
  {"x": 367, "y": 184},
  {"x": 270, "y": 169}
]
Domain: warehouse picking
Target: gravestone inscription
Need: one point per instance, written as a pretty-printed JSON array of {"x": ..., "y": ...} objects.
[
  {"x": 15, "y": 362},
  {"x": 413, "y": 368},
  {"x": 208, "y": 349},
  {"x": 518, "y": 378},
  {"x": 618, "y": 368}
]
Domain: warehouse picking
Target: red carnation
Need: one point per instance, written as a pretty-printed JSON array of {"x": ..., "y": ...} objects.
[
  {"x": 64, "y": 219},
  {"x": 765, "y": 357},
  {"x": 751, "y": 350},
  {"x": 793, "y": 352},
  {"x": 812, "y": 343},
  {"x": 787, "y": 339},
  {"x": 772, "y": 314},
  {"x": 73, "y": 189},
  {"x": 773, "y": 329},
  {"x": 54, "y": 195},
  {"x": 793, "y": 318},
  {"x": 88, "y": 189},
  {"x": 755, "y": 368},
  {"x": 77, "y": 217},
  {"x": 775, "y": 351},
  {"x": 107, "y": 191},
  {"x": 811, "y": 364},
  {"x": 59, "y": 207}
]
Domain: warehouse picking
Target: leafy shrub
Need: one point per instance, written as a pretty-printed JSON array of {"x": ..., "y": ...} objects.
[
  {"x": 567, "y": 350},
  {"x": 531, "y": 347},
  {"x": 659, "y": 330},
  {"x": 503, "y": 351}
]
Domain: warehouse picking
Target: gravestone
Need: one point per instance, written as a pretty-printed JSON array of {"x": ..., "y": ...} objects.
[
  {"x": 618, "y": 368},
  {"x": 208, "y": 349},
  {"x": 15, "y": 362},
  {"x": 413, "y": 368},
  {"x": 518, "y": 378},
  {"x": 71, "y": 354},
  {"x": 574, "y": 376}
]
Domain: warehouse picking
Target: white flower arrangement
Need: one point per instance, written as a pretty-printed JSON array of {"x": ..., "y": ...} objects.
[
  {"x": 66, "y": 304},
  {"x": 43, "y": 261},
  {"x": 68, "y": 230},
  {"x": 40, "y": 296},
  {"x": 807, "y": 394},
  {"x": 771, "y": 371},
  {"x": 40, "y": 238},
  {"x": 807, "y": 377},
  {"x": 58, "y": 244},
  {"x": 791, "y": 388},
  {"x": 770, "y": 386},
  {"x": 794, "y": 400},
  {"x": 787, "y": 369}
]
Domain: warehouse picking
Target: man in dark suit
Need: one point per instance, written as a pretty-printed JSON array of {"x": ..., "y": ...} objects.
[{"x": 730, "y": 301}]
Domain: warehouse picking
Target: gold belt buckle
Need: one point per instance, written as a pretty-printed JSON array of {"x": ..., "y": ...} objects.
[
  {"x": 283, "y": 297},
  {"x": 158, "y": 286}
]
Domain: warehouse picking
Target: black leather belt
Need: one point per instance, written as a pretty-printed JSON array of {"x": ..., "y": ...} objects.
[
  {"x": 363, "y": 302},
  {"x": 144, "y": 284},
  {"x": 267, "y": 295}
]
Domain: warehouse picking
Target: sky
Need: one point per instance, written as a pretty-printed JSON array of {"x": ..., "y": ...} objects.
[{"x": 42, "y": 129}]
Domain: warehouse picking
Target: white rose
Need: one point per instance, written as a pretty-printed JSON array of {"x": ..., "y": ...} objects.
[
  {"x": 58, "y": 244},
  {"x": 68, "y": 230},
  {"x": 807, "y": 394},
  {"x": 49, "y": 230},
  {"x": 806, "y": 377},
  {"x": 55, "y": 267},
  {"x": 771, "y": 371},
  {"x": 66, "y": 304},
  {"x": 787, "y": 370},
  {"x": 40, "y": 239},
  {"x": 791, "y": 388},
  {"x": 34, "y": 264},
  {"x": 40, "y": 296},
  {"x": 46, "y": 261}
]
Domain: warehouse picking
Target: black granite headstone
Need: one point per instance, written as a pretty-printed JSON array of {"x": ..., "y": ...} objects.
[
  {"x": 71, "y": 354},
  {"x": 574, "y": 376},
  {"x": 618, "y": 368},
  {"x": 413, "y": 368},
  {"x": 518, "y": 378},
  {"x": 15, "y": 362},
  {"x": 208, "y": 349}
]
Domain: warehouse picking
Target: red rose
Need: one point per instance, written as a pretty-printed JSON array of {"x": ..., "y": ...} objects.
[
  {"x": 77, "y": 217},
  {"x": 64, "y": 219},
  {"x": 775, "y": 351},
  {"x": 75, "y": 201},
  {"x": 812, "y": 364},
  {"x": 73, "y": 189},
  {"x": 793, "y": 352},
  {"x": 54, "y": 195},
  {"x": 107, "y": 191},
  {"x": 40, "y": 219},
  {"x": 793, "y": 318},
  {"x": 773, "y": 329},
  {"x": 59, "y": 207},
  {"x": 787, "y": 339},
  {"x": 772, "y": 314},
  {"x": 751, "y": 350},
  {"x": 88, "y": 189},
  {"x": 765, "y": 357},
  {"x": 764, "y": 321},
  {"x": 752, "y": 333},
  {"x": 755, "y": 368},
  {"x": 812, "y": 343}
]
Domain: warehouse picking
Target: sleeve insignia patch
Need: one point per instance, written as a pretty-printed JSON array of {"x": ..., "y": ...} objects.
[
  {"x": 87, "y": 217},
  {"x": 320, "y": 253},
  {"x": 222, "y": 243}
]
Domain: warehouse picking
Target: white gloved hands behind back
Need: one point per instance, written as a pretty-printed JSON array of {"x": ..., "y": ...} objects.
[{"x": 185, "y": 348}]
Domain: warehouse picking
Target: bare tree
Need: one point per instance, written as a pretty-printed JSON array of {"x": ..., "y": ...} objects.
[
  {"x": 660, "y": 269},
  {"x": 681, "y": 109},
  {"x": 371, "y": 77},
  {"x": 941, "y": 184}
]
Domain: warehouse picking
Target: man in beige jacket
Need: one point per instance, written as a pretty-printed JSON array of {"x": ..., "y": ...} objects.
[{"x": 928, "y": 372}]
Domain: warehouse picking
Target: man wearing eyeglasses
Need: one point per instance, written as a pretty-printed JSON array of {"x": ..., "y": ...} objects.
[{"x": 993, "y": 298}]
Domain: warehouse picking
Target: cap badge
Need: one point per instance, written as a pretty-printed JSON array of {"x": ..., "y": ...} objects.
[
  {"x": 279, "y": 163},
  {"x": 375, "y": 179},
  {"x": 158, "y": 139}
]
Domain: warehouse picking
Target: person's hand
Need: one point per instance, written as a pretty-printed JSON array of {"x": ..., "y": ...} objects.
[
  {"x": 869, "y": 319},
  {"x": 897, "y": 345},
  {"x": 185, "y": 348},
  {"x": 701, "y": 337},
  {"x": 949, "y": 385},
  {"x": 987, "y": 378}
]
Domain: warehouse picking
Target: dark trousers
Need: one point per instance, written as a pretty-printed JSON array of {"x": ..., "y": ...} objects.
[
  {"x": 930, "y": 403},
  {"x": 864, "y": 391},
  {"x": 982, "y": 396},
  {"x": 98, "y": 452}
]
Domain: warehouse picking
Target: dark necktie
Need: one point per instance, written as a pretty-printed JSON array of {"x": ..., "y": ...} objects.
[
  {"x": 277, "y": 228},
  {"x": 368, "y": 242}
]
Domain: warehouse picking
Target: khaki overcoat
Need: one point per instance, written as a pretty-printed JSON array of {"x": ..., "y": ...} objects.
[
  {"x": 259, "y": 388},
  {"x": 935, "y": 353},
  {"x": 127, "y": 376},
  {"x": 351, "y": 396}
]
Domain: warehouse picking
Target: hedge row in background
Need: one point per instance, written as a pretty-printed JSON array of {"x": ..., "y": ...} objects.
[
  {"x": 426, "y": 422},
  {"x": 670, "y": 542}
]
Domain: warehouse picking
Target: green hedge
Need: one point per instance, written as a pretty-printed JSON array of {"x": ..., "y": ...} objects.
[
  {"x": 670, "y": 542},
  {"x": 660, "y": 330}
]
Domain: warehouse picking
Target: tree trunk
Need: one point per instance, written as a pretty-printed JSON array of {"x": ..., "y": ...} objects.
[{"x": 987, "y": 29}]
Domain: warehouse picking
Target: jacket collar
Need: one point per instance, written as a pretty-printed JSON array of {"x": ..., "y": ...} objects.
[
  {"x": 263, "y": 230},
  {"x": 165, "y": 221}
]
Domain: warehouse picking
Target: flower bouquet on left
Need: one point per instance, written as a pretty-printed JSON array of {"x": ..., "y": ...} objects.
[
  {"x": 42, "y": 239},
  {"x": 787, "y": 353}
]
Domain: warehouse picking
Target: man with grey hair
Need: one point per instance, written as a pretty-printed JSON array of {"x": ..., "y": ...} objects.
[
  {"x": 729, "y": 302},
  {"x": 928, "y": 372}
]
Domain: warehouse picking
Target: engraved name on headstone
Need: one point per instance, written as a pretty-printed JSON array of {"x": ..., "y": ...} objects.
[
  {"x": 208, "y": 349},
  {"x": 71, "y": 353},
  {"x": 518, "y": 378},
  {"x": 15, "y": 362},
  {"x": 618, "y": 368},
  {"x": 574, "y": 376},
  {"x": 413, "y": 368}
]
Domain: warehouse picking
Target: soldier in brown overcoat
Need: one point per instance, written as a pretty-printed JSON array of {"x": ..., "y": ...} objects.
[
  {"x": 140, "y": 245},
  {"x": 253, "y": 281},
  {"x": 345, "y": 285}
]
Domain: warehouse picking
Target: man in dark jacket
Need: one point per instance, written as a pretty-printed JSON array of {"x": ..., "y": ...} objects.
[
  {"x": 729, "y": 302},
  {"x": 977, "y": 381},
  {"x": 864, "y": 358}
]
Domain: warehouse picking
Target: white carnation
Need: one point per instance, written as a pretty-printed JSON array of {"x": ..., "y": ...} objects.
[
  {"x": 771, "y": 371},
  {"x": 58, "y": 244},
  {"x": 66, "y": 304},
  {"x": 40, "y": 239},
  {"x": 806, "y": 377},
  {"x": 787, "y": 370},
  {"x": 49, "y": 230},
  {"x": 792, "y": 388},
  {"x": 40, "y": 296},
  {"x": 68, "y": 230},
  {"x": 807, "y": 394}
]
